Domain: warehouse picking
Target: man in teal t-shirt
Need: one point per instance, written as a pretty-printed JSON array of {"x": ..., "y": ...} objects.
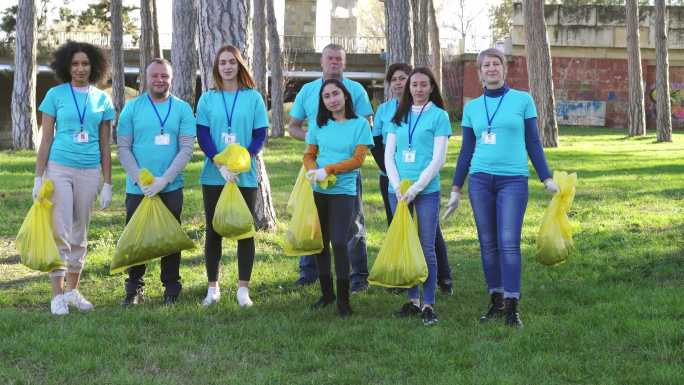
[
  {"x": 156, "y": 131},
  {"x": 305, "y": 107}
]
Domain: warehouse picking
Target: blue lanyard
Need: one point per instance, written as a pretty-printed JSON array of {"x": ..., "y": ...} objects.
[
  {"x": 81, "y": 117},
  {"x": 161, "y": 122},
  {"x": 411, "y": 131},
  {"x": 229, "y": 118},
  {"x": 489, "y": 120}
]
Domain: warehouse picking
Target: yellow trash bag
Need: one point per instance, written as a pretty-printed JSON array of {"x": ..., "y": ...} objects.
[
  {"x": 232, "y": 218},
  {"x": 35, "y": 240},
  {"x": 235, "y": 158},
  {"x": 303, "y": 235},
  {"x": 400, "y": 262},
  {"x": 297, "y": 190},
  {"x": 153, "y": 232},
  {"x": 554, "y": 241}
]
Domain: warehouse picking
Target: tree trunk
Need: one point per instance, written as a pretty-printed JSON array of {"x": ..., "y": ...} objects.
[
  {"x": 636, "y": 112},
  {"x": 221, "y": 24},
  {"x": 118, "y": 77},
  {"x": 149, "y": 38},
  {"x": 24, "y": 127},
  {"x": 259, "y": 49},
  {"x": 663, "y": 111},
  {"x": 398, "y": 36},
  {"x": 539, "y": 71},
  {"x": 434, "y": 43},
  {"x": 421, "y": 41},
  {"x": 275, "y": 62},
  {"x": 265, "y": 214},
  {"x": 183, "y": 50}
]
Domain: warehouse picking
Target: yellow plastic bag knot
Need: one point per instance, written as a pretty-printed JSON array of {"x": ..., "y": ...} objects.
[
  {"x": 235, "y": 157},
  {"x": 329, "y": 181},
  {"x": 145, "y": 177}
]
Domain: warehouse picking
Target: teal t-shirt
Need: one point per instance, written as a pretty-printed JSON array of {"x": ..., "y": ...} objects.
[
  {"x": 336, "y": 142},
  {"x": 305, "y": 106},
  {"x": 508, "y": 156},
  {"x": 139, "y": 121},
  {"x": 433, "y": 122},
  {"x": 59, "y": 103},
  {"x": 383, "y": 118},
  {"x": 248, "y": 114}
]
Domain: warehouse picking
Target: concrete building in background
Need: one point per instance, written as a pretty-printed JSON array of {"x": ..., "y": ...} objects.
[{"x": 589, "y": 59}]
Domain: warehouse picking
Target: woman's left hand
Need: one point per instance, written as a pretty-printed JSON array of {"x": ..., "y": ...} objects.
[
  {"x": 411, "y": 193},
  {"x": 551, "y": 186}
]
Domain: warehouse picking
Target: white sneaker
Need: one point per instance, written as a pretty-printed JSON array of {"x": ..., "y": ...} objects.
[
  {"x": 243, "y": 297},
  {"x": 213, "y": 296},
  {"x": 76, "y": 299},
  {"x": 58, "y": 306}
]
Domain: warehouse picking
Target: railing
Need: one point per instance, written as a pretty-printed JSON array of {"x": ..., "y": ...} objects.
[
  {"x": 290, "y": 43},
  {"x": 351, "y": 44}
]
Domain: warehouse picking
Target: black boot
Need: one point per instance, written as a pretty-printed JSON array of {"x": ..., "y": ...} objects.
[
  {"x": 496, "y": 308},
  {"x": 134, "y": 296},
  {"x": 512, "y": 315},
  {"x": 328, "y": 296},
  {"x": 343, "y": 307}
]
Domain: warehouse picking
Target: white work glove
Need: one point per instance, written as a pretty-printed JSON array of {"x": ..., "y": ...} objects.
[
  {"x": 452, "y": 204},
  {"x": 228, "y": 175},
  {"x": 551, "y": 186},
  {"x": 105, "y": 196},
  {"x": 397, "y": 193},
  {"x": 155, "y": 188},
  {"x": 316, "y": 175},
  {"x": 411, "y": 193},
  {"x": 37, "y": 182}
]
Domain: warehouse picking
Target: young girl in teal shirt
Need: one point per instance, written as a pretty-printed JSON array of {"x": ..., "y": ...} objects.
[{"x": 338, "y": 145}]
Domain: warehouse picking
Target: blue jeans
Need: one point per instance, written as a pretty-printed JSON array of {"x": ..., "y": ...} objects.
[
  {"x": 499, "y": 204},
  {"x": 427, "y": 210},
  {"x": 358, "y": 255}
]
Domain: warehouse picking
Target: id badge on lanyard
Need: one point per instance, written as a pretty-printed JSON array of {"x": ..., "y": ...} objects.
[
  {"x": 81, "y": 137},
  {"x": 409, "y": 156},
  {"x": 162, "y": 139},
  {"x": 229, "y": 138},
  {"x": 488, "y": 137}
]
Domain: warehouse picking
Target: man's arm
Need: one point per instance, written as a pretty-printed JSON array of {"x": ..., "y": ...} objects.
[{"x": 295, "y": 129}]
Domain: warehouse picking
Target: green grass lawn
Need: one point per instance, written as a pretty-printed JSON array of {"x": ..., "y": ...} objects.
[{"x": 613, "y": 314}]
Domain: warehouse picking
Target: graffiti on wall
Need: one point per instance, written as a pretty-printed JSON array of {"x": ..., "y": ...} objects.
[
  {"x": 581, "y": 112},
  {"x": 676, "y": 100}
]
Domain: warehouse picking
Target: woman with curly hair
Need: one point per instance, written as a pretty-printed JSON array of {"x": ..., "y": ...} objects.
[{"x": 73, "y": 151}]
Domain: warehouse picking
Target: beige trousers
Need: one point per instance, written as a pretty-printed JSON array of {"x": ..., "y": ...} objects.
[{"x": 75, "y": 192}]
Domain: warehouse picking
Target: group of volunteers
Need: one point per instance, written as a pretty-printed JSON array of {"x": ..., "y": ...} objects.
[{"x": 407, "y": 136}]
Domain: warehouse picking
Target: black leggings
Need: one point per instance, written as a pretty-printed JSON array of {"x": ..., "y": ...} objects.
[
  {"x": 443, "y": 268},
  {"x": 212, "y": 242},
  {"x": 335, "y": 215}
]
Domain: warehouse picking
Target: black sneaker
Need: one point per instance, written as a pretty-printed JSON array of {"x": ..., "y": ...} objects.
[
  {"x": 446, "y": 286},
  {"x": 170, "y": 299},
  {"x": 496, "y": 308},
  {"x": 409, "y": 309},
  {"x": 429, "y": 316},
  {"x": 512, "y": 315},
  {"x": 135, "y": 298}
]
